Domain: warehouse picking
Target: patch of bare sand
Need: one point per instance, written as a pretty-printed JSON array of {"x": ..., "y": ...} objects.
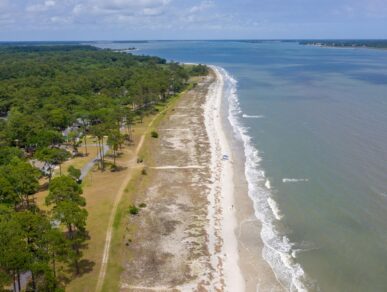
[{"x": 168, "y": 251}]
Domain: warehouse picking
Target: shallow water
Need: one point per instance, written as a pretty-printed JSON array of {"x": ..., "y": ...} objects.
[{"x": 318, "y": 118}]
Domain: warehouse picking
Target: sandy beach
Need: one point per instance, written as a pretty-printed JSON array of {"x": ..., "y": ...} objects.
[{"x": 198, "y": 231}]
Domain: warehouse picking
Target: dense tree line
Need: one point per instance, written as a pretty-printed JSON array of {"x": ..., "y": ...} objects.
[{"x": 51, "y": 95}]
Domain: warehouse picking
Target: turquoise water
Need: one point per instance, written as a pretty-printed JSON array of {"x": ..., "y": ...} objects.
[{"x": 318, "y": 118}]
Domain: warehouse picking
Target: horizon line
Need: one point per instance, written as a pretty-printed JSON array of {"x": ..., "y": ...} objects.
[{"x": 171, "y": 40}]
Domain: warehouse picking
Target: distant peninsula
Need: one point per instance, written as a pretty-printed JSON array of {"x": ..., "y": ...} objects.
[{"x": 374, "y": 44}]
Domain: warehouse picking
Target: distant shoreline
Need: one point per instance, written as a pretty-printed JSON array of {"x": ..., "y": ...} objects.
[{"x": 346, "y": 45}]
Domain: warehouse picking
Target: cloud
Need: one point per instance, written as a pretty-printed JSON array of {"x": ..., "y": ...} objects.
[
  {"x": 204, "y": 5},
  {"x": 121, "y": 7},
  {"x": 40, "y": 7},
  {"x": 169, "y": 18}
]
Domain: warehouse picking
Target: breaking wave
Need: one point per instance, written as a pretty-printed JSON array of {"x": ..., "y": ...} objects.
[{"x": 278, "y": 250}]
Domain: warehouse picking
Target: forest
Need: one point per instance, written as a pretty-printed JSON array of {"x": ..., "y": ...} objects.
[{"x": 51, "y": 95}]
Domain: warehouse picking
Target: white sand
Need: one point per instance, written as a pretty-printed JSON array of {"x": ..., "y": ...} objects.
[{"x": 223, "y": 244}]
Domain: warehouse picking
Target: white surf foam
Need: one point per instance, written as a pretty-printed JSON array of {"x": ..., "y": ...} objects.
[
  {"x": 294, "y": 180},
  {"x": 268, "y": 184},
  {"x": 252, "y": 116},
  {"x": 274, "y": 207},
  {"x": 277, "y": 249}
]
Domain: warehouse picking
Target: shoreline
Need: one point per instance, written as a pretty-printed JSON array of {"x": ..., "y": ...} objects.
[
  {"x": 221, "y": 201},
  {"x": 256, "y": 271}
]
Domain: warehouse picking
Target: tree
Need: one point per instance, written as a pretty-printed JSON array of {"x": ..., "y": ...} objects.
[
  {"x": 100, "y": 131},
  {"x": 65, "y": 196},
  {"x": 71, "y": 215},
  {"x": 7, "y": 192},
  {"x": 35, "y": 227},
  {"x": 75, "y": 173},
  {"x": 7, "y": 153},
  {"x": 14, "y": 254},
  {"x": 45, "y": 138},
  {"x": 52, "y": 156},
  {"x": 73, "y": 137},
  {"x": 115, "y": 139},
  {"x": 64, "y": 188},
  {"x": 23, "y": 179},
  {"x": 33, "y": 246}
]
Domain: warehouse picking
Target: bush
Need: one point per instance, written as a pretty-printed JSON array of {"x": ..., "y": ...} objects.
[
  {"x": 75, "y": 173},
  {"x": 142, "y": 205},
  {"x": 143, "y": 171},
  {"x": 133, "y": 210},
  {"x": 154, "y": 134}
]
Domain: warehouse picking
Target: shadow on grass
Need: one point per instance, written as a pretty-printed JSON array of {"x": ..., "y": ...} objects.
[{"x": 85, "y": 267}]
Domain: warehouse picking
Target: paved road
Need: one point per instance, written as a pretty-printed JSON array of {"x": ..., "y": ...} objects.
[{"x": 85, "y": 170}]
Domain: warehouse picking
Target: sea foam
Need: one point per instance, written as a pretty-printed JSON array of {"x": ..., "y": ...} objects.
[
  {"x": 277, "y": 249},
  {"x": 253, "y": 116},
  {"x": 294, "y": 180}
]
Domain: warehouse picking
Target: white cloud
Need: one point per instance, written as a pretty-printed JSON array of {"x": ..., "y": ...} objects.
[
  {"x": 41, "y": 7},
  {"x": 121, "y": 7},
  {"x": 204, "y": 5},
  {"x": 61, "y": 19}
]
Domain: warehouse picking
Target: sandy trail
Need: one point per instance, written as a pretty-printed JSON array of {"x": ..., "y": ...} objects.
[{"x": 179, "y": 167}]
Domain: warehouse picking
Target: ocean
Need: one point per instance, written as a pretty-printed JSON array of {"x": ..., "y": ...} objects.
[{"x": 312, "y": 123}]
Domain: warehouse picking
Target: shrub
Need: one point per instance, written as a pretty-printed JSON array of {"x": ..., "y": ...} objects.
[
  {"x": 154, "y": 134},
  {"x": 143, "y": 171},
  {"x": 142, "y": 205},
  {"x": 133, "y": 210}
]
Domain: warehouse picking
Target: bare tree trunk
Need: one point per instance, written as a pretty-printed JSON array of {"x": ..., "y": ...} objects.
[
  {"x": 54, "y": 267},
  {"x": 14, "y": 283},
  {"x": 99, "y": 154},
  {"x": 102, "y": 154},
  {"x": 18, "y": 280},
  {"x": 77, "y": 267},
  {"x": 33, "y": 281},
  {"x": 85, "y": 140},
  {"x": 114, "y": 157}
]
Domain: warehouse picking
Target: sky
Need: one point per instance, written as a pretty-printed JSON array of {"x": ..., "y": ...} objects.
[{"x": 25, "y": 20}]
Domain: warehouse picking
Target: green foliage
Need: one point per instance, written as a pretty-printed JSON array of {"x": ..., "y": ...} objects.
[
  {"x": 133, "y": 210},
  {"x": 7, "y": 153},
  {"x": 199, "y": 70},
  {"x": 65, "y": 188},
  {"x": 20, "y": 180},
  {"x": 142, "y": 205},
  {"x": 154, "y": 134},
  {"x": 65, "y": 196},
  {"x": 45, "y": 89},
  {"x": 29, "y": 243},
  {"x": 52, "y": 155},
  {"x": 75, "y": 173}
]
